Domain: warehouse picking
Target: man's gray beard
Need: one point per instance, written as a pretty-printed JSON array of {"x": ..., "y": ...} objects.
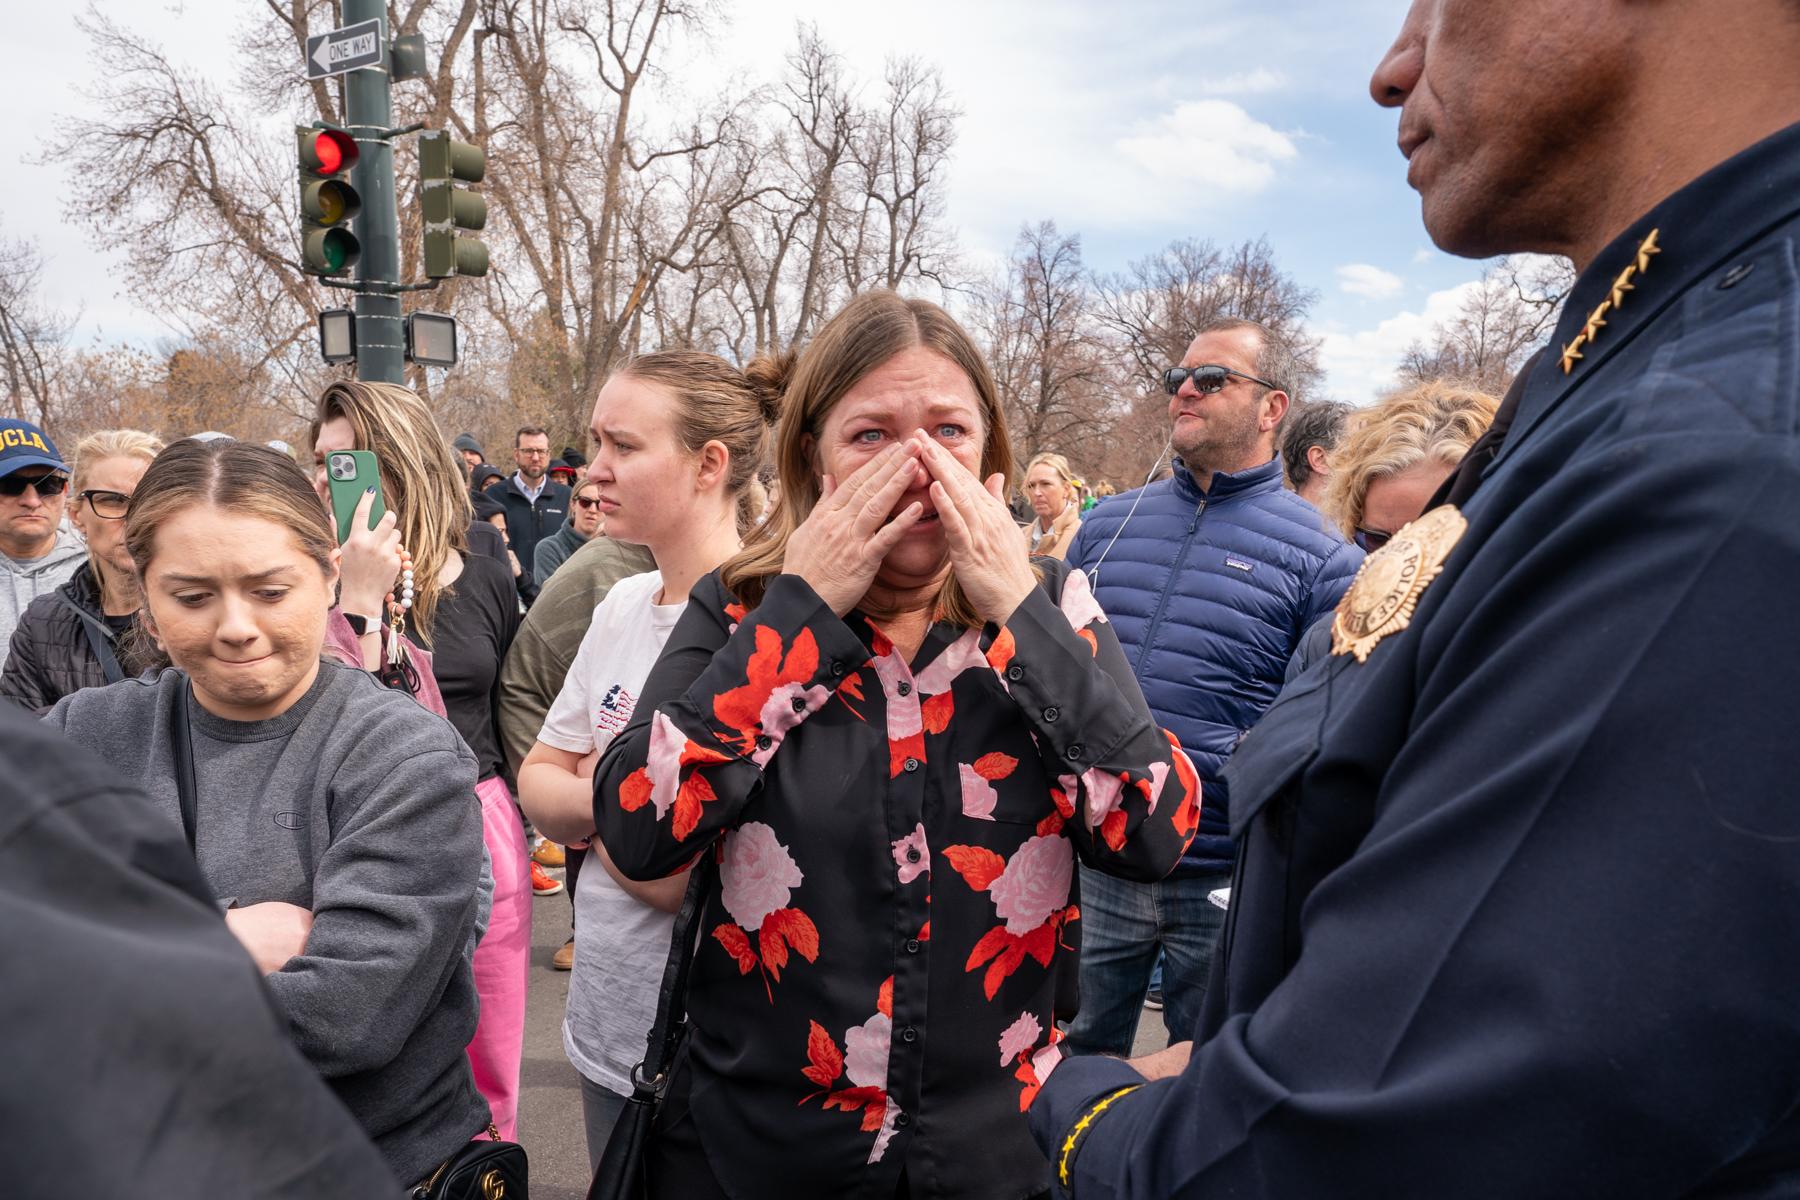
[{"x": 1206, "y": 458}]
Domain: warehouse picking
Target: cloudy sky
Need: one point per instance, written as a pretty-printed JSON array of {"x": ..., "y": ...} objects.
[{"x": 1131, "y": 122}]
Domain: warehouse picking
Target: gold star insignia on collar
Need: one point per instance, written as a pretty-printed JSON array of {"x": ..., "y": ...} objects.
[{"x": 1626, "y": 282}]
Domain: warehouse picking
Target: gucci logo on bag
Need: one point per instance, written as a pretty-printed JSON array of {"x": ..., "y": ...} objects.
[{"x": 492, "y": 1186}]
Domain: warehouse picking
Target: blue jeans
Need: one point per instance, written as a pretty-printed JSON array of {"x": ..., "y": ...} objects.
[{"x": 1123, "y": 925}]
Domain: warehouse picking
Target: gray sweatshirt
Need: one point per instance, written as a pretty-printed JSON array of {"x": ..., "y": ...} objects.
[
  {"x": 359, "y": 805},
  {"x": 23, "y": 580}
]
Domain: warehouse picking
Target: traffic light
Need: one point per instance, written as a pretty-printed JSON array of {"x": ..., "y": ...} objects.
[
  {"x": 448, "y": 211},
  {"x": 327, "y": 201}
]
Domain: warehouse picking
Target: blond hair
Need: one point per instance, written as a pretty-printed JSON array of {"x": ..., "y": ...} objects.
[
  {"x": 1435, "y": 421},
  {"x": 421, "y": 478},
  {"x": 868, "y": 331},
  {"x": 111, "y": 443},
  {"x": 1057, "y": 463},
  {"x": 716, "y": 402}
]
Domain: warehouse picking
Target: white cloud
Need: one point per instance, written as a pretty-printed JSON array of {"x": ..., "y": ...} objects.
[
  {"x": 1210, "y": 142},
  {"x": 1259, "y": 82},
  {"x": 1362, "y": 279},
  {"x": 1359, "y": 364},
  {"x": 1423, "y": 255}
]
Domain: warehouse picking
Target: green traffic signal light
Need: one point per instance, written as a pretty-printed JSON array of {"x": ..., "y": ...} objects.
[
  {"x": 449, "y": 211},
  {"x": 328, "y": 201}
]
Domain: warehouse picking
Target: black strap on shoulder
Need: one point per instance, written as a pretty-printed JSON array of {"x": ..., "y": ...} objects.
[
  {"x": 648, "y": 1077},
  {"x": 99, "y": 640},
  {"x": 182, "y": 735}
]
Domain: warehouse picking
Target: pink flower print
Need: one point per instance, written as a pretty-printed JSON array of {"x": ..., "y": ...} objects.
[
  {"x": 978, "y": 795},
  {"x": 1159, "y": 771},
  {"x": 757, "y": 876},
  {"x": 1034, "y": 885},
  {"x": 1019, "y": 1038},
  {"x": 664, "y": 764},
  {"x": 866, "y": 1052},
  {"x": 903, "y": 717},
  {"x": 912, "y": 856},
  {"x": 785, "y": 708},
  {"x": 885, "y": 1134},
  {"x": 1046, "y": 1059},
  {"x": 1105, "y": 795},
  {"x": 1078, "y": 603},
  {"x": 961, "y": 655}
]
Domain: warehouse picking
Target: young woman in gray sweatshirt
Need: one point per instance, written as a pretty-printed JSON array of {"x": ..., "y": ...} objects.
[{"x": 335, "y": 820}]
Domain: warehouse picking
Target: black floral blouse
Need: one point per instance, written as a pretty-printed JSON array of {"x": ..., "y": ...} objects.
[{"x": 894, "y": 917}]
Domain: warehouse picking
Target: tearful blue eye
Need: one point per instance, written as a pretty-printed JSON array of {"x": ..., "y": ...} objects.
[
  {"x": 949, "y": 431},
  {"x": 867, "y": 437}
]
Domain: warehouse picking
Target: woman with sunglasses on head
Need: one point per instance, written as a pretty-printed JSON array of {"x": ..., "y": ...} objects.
[
  {"x": 678, "y": 436},
  {"x": 585, "y": 520},
  {"x": 81, "y": 635},
  {"x": 1393, "y": 459},
  {"x": 464, "y": 609},
  {"x": 333, "y": 818},
  {"x": 884, "y": 733}
]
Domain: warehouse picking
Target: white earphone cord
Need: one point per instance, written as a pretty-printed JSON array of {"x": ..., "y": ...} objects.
[{"x": 1094, "y": 575}]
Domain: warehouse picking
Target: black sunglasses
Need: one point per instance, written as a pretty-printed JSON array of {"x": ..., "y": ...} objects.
[
  {"x": 46, "y": 485},
  {"x": 1207, "y": 379},
  {"x": 587, "y": 501},
  {"x": 1371, "y": 540}
]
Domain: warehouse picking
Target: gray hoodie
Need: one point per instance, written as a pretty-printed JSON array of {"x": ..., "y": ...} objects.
[
  {"x": 359, "y": 805},
  {"x": 23, "y": 580}
]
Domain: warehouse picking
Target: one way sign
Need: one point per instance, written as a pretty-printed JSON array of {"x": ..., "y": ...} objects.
[{"x": 348, "y": 49}]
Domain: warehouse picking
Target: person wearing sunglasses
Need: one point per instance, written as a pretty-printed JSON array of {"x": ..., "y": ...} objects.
[
  {"x": 585, "y": 520},
  {"x": 81, "y": 634},
  {"x": 38, "y": 552},
  {"x": 1209, "y": 577}
]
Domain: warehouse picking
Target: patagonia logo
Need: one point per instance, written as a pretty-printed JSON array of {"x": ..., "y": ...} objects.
[{"x": 1238, "y": 564}]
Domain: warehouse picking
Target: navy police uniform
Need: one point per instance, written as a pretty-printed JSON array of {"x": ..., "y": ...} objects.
[{"x": 1518, "y": 896}]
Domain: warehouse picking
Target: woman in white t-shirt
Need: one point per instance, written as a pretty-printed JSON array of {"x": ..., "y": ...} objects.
[{"x": 679, "y": 436}]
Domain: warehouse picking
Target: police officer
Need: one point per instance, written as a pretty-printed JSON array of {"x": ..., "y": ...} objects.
[{"x": 1519, "y": 880}]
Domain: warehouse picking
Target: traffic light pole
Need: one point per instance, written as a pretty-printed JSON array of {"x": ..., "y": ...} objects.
[{"x": 368, "y": 112}]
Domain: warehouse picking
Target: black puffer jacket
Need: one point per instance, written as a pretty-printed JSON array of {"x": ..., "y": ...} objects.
[{"x": 50, "y": 653}]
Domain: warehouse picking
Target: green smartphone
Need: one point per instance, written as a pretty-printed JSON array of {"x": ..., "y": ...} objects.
[{"x": 351, "y": 474}]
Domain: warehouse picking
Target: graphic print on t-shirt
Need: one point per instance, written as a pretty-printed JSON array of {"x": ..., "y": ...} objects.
[{"x": 613, "y": 712}]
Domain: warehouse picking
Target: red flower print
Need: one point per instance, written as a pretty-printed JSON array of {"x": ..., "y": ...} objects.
[
  {"x": 1000, "y": 654},
  {"x": 978, "y": 794},
  {"x": 1019, "y": 1044},
  {"x": 756, "y": 878},
  {"x": 937, "y": 711},
  {"x": 863, "y": 1063},
  {"x": 764, "y": 704},
  {"x": 1030, "y": 892}
]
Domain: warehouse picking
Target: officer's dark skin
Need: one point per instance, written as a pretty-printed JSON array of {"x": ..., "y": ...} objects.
[
  {"x": 1511, "y": 114},
  {"x": 1512, "y": 111}
]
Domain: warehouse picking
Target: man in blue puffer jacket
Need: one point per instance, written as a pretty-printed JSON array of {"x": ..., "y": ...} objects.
[{"x": 1210, "y": 578}]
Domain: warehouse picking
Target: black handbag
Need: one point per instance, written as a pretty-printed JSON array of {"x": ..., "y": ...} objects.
[
  {"x": 490, "y": 1170},
  {"x": 621, "y": 1174},
  {"x": 479, "y": 1170}
]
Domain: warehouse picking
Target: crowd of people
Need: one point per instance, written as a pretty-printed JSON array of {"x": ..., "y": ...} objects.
[{"x": 1388, "y": 751}]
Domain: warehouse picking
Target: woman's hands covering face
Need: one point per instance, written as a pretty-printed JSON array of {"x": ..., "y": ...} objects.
[
  {"x": 841, "y": 544},
  {"x": 840, "y": 547},
  {"x": 986, "y": 551}
]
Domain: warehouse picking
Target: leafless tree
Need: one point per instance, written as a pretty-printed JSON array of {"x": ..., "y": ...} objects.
[
  {"x": 33, "y": 334},
  {"x": 1505, "y": 317}
]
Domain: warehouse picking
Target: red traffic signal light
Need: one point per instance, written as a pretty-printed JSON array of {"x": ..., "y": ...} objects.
[{"x": 327, "y": 151}]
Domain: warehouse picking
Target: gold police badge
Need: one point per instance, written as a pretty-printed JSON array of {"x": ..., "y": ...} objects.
[{"x": 1387, "y": 588}]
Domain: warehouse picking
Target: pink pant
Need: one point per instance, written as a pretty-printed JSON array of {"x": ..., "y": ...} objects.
[{"x": 502, "y": 959}]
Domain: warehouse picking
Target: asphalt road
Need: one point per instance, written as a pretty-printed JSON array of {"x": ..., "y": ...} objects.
[{"x": 550, "y": 1091}]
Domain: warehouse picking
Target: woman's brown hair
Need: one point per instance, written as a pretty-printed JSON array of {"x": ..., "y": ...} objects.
[
  {"x": 716, "y": 402},
  {"x": 241, "y": 478},
  {"x": 865, "y": 333},
  {"x": 421, "y": 478}
]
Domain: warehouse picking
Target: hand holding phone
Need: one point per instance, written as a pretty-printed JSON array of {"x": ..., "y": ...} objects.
[{"x": 351, "y": 475}]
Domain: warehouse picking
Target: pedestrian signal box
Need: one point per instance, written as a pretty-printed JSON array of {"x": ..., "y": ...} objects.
[
  {"x": 448, "y": 211},
  {"x": 328, "y": 201}
]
